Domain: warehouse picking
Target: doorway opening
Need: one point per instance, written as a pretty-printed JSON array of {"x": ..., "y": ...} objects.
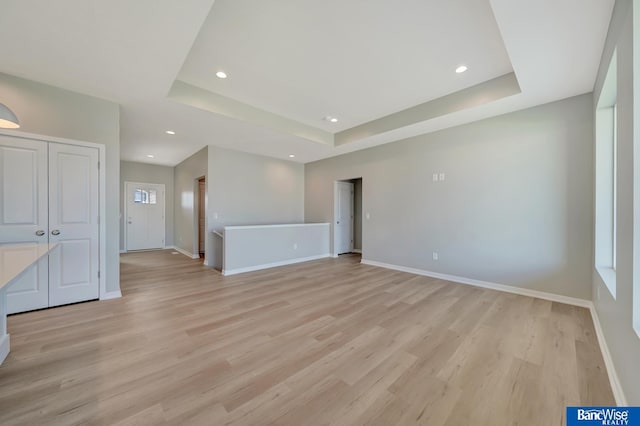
[
  {"x": 347, "y": 215},
  {"x": 201, "y": 212}
]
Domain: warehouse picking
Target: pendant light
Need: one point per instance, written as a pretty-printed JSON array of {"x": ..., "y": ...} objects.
[{"x": 8, "y": 119}]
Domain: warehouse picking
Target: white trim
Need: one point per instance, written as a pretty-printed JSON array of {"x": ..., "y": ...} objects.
[
  {"x": 183, "y": 251},
  {"x": 102, "y": 197},
  {"x": 485, "y": 284},
  {"x": 111, "y": 295},
  {"x": 616, "y": 387},
  {"x": 5, "y": 346},
  {"x": 359, "y": 251},
  {"x": 284, "y": 225},
  {"x": 274, "y": 264},
  {"x": 123, "y": 251},
  {"x": 614, "y": 381}
]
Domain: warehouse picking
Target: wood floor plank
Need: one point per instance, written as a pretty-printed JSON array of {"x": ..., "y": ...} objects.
[{"x": 330, "y": 341}]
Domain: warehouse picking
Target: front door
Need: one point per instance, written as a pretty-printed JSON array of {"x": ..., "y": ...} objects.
[{"x": 145, "y": 216}]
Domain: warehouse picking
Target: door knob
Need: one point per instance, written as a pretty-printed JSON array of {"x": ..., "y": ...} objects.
[
  {"x": 55, "y": 232},
  {"x": 338, "y": 222},
  {"x": 40, "y": 232},
  {"x": 129, "y": 223}
]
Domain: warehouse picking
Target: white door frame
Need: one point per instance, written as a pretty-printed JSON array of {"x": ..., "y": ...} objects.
[
  {"x": 102, "y": 197},
  {"x": 335, "y": 204},
  {"x": 126, "y": 212}
]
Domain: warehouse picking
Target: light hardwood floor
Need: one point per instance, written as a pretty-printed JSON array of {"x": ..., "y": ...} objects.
[{"x": 325, "y": 342}]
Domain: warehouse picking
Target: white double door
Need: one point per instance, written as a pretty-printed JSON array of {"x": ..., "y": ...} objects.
[{"x": 49, "y": 192}]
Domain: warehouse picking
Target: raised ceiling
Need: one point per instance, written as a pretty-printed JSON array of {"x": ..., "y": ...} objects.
[{"x": 384, "y": 68}]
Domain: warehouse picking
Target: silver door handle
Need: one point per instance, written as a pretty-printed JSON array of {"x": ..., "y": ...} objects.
[
  {"x": 40, "y": 232},
  {"x": 55, "y": 232}
]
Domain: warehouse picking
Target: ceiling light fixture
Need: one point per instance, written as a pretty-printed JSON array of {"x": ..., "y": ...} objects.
[
  {"x": 291, "y": 156},
  {"x": 221, "y": 74},
  {"x": 331, "y": 119},
  {"x": 461, "y": 69},
  {"x": 170, "y": 132},
  {"x": 150, "y": 155},
  {"x": 8, "y": 119}
]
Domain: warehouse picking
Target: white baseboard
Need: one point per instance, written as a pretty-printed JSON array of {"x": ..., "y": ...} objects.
[
  {"x": 122, "y": 251},
  {"x": 614, "y": 381},
  {"x": 111, "y": 295},
  {"x": 273, "y": 265},
  {"x": 616, "y": 387},
  {"x": 4, "y": 347},
  {"x": 357, "y": 251},
  {"x": 183, "y": 251}
]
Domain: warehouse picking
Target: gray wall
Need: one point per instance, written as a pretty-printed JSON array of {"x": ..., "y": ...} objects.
[
  {"x": 148, "y": 173},
  {"x": 616, "y": 315},
  {"x": 514, "y": 208},
  {"x": 248, "y": 189},
  {"x": 185, "y": 191},
  {"x": 48, "y": 110},
  {"x": 255, "y": 247}
]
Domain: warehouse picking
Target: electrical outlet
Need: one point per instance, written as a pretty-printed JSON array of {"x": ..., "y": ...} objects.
[
  {"x": 295, "y": 246},
  {"x": 435, "y": 255}
]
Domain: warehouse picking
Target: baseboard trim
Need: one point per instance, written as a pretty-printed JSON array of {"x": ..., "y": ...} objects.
[
  {"x": 122, "y": 251},
  {"x": 5, "y": 346},
  {"x": 485, "y": 284},
  {"x": 616, "y": 386},
  {"x": 226, "y": 272},
  {"x": 111, "y": 295},
  {"x": 183, "y": 251},
  {"x": 614, "y": 381},
  {"x": 357, "y": 251}
]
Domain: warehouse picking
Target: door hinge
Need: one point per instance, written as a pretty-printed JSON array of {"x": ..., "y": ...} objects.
[
  {"x": 98, "y": 165},
  {"x": 98, "y": 220},
  {"x": 98, "y": 274}
]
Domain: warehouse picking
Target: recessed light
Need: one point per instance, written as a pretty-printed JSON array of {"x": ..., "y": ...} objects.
[
  {"x": 150, "y": 155},
  {"x": 291, "y": 156},
  {"x": 331, "y": 119},
  {"x": 221, "y": 74},
  {"x": 461, "y": 69},
  {"x": 170, "y": 132}
]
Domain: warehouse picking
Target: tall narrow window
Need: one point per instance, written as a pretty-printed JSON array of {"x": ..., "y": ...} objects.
[{"x": 606, "y": 180}]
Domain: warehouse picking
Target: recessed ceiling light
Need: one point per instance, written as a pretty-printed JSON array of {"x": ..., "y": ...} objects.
[
  {"x": 461, "y": 69},
  {"x": 331, "y": 119},
  {"x": 170, "y": 132},
  {"x": 221, "y": 74},
  {"x": 150, "y": 155},
  {"x": 291, "y": 156}
]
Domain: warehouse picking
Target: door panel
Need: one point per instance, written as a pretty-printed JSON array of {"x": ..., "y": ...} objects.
[
  {"x": 344, "y": 217},
  {"x": 23, "y": 190},
  {"x": 24, "y": 212},
  {"x": 73, "y": 220}
]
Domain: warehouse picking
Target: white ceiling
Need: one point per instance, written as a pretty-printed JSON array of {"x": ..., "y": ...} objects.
[{"x": 296, "y": 61}]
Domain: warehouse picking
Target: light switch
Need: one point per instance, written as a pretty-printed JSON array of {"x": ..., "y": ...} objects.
[
  {"x": 435, "y": 177},
  {"x": 441, "y": 176},
  {"x": 368, "y": 216}
]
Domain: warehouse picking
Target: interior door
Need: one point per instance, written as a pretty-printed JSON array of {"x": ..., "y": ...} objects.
[
  {"x": 24, "y": 215},
  {"x": 73, "y": 223},
  {"x": 145, "y": 216},
  {"x": 343, "y": 237},
  {"x": 201, "y": 214}
]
